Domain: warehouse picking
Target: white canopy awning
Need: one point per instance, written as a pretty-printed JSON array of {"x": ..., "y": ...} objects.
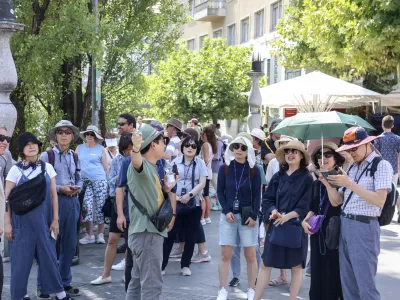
[
  {"x": 391, "y": 99},
  {"x": 316, "y": 90}
]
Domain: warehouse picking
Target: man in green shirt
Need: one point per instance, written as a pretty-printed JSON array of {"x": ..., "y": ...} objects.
[{"x": 145, "y": 241}]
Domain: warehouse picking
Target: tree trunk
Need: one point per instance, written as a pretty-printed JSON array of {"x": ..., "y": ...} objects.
[
  {"x": 103, "y": 127},
  {"x": 17, "y": 98},
  {"x": 87, "y": 100}
]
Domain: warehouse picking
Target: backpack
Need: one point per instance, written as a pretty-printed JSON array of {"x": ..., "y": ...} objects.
[
  {"x": 389, "y": 207},
  {"x": 52, "y": 158}
]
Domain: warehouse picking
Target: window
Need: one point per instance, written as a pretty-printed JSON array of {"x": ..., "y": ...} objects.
[
  {"x": 276, "y": 14},
  {"x": 259, "y": 23},
  {"x": 217, "y": 33},
  {"x": 201, "y": 40},
  {"x": 289, "y": 74},
  {"x": 244, "y": 30},
  {"x": 191, "y": 8},
  {"x": 231, "y": 35},
  {"x": 191, "y": 44}
]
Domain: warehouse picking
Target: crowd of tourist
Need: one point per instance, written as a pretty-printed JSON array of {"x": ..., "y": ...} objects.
[{"x": 153, "y": 184}]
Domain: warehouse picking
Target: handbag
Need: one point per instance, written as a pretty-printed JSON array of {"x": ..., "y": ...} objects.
[
  {"x": 316, "y": 221},
  {"x": 288, "y": 235},
  {"x": 247, "y": 211},
  {"x": 182, "y": 208},
  {"x": 30, "y": 194},
  {"x": 161, "y": 218}
]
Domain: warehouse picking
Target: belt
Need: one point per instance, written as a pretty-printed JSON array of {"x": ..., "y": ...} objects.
[{"x": 359, "y": 218}]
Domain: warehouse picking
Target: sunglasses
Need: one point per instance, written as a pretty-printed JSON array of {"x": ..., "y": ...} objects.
[
  {"x": 122, "y": 124},
  {"x": 326, "y": 155},
  {"x": 67, "y": 132},
  {"x": 239, "y": 146},
  {"x": 5, "y": 138},
  {"x": 194, "y": 146},
  {"x": 90, "y": 134},
  {"x": 290, "y": 151}
]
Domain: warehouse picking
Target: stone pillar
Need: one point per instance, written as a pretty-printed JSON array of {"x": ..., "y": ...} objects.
[
  {"x": 8, "y": 73},
  {"x": 8, "y": 77},
  {"x": 255, "y": 100}
]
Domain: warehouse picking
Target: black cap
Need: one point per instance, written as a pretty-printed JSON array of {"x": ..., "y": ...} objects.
[
  {"x": 274, "y": 123},
  {"x": 25, "y": 138}
]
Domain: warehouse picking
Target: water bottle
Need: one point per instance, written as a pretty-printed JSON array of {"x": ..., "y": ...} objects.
[{"x": 169, "y": 174}]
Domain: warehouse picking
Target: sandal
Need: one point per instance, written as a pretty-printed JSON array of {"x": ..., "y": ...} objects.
[{"x": 277, "y": 282}]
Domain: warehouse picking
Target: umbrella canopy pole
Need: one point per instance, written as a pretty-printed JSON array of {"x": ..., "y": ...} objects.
[{"x": 322, "y": 148}]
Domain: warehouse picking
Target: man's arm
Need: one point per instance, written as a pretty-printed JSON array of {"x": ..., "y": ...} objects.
[{"x": 136, "y": 157}]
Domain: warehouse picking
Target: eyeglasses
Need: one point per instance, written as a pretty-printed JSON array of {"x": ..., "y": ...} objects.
[
  {"x": 60, "y": 131},
  {"x": 290, "y": 151},
  {"x": 122, "y": 124},
  {"x": 5, "y": 138},
  {"x": 90, "y": 134},
  {"x": 194, "y": 146},
  {"x": 326, "y": 155},
  {"x": 352, "y": 149},
  {"x": 241, "y": 146}
]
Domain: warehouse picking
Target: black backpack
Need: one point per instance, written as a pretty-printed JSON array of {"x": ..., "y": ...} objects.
[
  {"x": 389, "y": 207},
  {"x": 51, "y": 156}
]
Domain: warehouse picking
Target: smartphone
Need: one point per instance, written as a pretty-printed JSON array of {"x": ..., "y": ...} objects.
[
  {"x": 332, "y": 172},
  {"x": 175, "y": 169},
  {"x": 74, "y": 187}
]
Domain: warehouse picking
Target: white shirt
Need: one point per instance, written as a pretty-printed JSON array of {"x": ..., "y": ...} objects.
[
  {"x": 15, "y": 173},
  {"x": 273, "y": 167}
]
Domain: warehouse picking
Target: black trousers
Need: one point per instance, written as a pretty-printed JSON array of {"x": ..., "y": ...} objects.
[
  {"x": 188, "y": 224},
  {"x": 128, "y": 259}
]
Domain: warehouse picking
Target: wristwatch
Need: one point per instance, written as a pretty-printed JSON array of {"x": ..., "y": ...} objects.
[{"x": 191, "y": 195}]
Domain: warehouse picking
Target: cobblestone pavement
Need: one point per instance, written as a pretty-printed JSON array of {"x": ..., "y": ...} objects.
[{"x": 204, "y": 284}]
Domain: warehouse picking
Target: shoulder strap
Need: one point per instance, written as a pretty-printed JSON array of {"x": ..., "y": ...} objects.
[
  {"x": 142, "y": 210},
  {"x": 193, "y": 173},
  {"x": 51, "y": 156},
  {"x": 43, "y": 166},
  {"x": 266, "y": 144},
  {"x": 374, "y": 166},
  {"x": 76, "y": 160}
]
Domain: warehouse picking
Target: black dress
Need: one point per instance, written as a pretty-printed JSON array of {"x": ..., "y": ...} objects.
[
  {"x": 294, "y": 194},
  {"x": 325, "y": 275}
]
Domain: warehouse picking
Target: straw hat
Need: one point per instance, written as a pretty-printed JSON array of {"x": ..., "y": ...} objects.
[
  {"x": 317, "y": 149},
  {"x": 280, "y": 153},
  {"x": 91, "y": 128},
  {"x": 354, "y": 137},
  {"x": 283, "y": 139}
]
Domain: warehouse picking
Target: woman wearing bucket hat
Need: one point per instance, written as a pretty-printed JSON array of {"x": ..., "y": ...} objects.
[
  {"x": 32, "y": 231},
  {"x": 284, "y": 204},
  {"x": 325, "y": 279},
  {"x": 239, "y": 190},
  {"x": 94, "y": 171}
]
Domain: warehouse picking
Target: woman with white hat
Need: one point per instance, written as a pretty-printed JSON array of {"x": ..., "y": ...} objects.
[
  {"x": 239, "y": 190},
  {"x": 285, "y": 204},
  {"x": 94, "y": 172},
  {"x": 111, "y": 147}
]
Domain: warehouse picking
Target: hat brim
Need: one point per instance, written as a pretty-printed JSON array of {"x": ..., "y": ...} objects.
[
  {"x": 177, "y": 128},
  {"x": 280, "y": 153},
  {"x": 98, "y": 136},
  {"x": 151, "y": 138},
  {"x": 363, "y": 142},
  {"x": 317, "y": 149},
  {"x": 52, "y": 132}
]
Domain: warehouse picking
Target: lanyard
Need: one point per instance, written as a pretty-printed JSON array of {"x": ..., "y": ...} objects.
[
  {"x": 186, "y": 172},
  {"x": 69, "y": 166},
  {"x": 321, "y": 198},
  {"x": 237, "y": 184},
  {"x": 159, "y": 166}
]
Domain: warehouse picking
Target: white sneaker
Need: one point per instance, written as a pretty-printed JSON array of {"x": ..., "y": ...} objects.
[
  {"x": 208, "y": 220},
  {"x": 186, "y": 271},
  {"x": 101, "y": 280},
  {"x": 120, "y": 266},
  {"x": 87, "y": 239},
  {"x": 222, "y": 294},
  {"x": 203, "y": 222},
  {"x": 100, "y": 239},
  {"x": 201, "y": 257},
  {"x": 163, "y": 272},
  {"x": 250, "y": 294},
  {"x": 176, "y": 253}
]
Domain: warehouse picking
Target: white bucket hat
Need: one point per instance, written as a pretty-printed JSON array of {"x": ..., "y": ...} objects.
[
  {"x": 251, "y": 156},
  {"x": 91, "y": 128},
  {"x": 258, "y": 133}
]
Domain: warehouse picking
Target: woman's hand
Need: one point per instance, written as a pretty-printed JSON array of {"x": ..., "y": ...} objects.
[
  {"x": 8, "y": 231},
  {"x": 282, "y": 219},
  {"x": 323, "y": 180},
  {"x": 54, "y": 227},
  {"x": 274, "y": 215},
  {"x": 230, "y": 217},
  {"x": 306, "y": 227},
  {"x": 184, "y": 199},
  {"x": 250, "y": 222}
]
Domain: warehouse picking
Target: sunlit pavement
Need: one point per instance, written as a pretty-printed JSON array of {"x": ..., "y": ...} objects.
[{"x": 204, "y": 284}]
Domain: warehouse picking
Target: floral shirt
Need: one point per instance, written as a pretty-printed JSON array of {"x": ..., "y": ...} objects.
[{"x": 389, "y": 146}]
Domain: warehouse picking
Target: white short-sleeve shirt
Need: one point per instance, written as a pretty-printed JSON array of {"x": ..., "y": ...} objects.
[{"x": 15, "y": 173}]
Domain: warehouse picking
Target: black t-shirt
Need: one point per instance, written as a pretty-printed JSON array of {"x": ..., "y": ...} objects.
[{"x": 267, "y": 149}]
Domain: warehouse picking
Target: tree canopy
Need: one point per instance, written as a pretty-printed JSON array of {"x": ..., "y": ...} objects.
[
  {"x": 207, "y": 84},
  {"x": 341, "y": 37}
]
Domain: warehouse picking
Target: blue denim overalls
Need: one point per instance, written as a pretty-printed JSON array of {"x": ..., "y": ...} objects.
[{"x": 32, "y": 239}]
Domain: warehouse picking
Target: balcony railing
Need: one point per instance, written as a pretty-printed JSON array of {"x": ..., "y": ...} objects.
[{"x": 210, "y": 10}]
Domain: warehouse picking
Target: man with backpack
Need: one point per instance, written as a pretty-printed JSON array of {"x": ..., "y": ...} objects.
[
  {"x": 364, "y": 193},
  {"x": 68, "y": 182}
]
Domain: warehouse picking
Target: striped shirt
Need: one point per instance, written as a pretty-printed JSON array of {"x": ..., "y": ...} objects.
[{"x": 381, "y": 180}]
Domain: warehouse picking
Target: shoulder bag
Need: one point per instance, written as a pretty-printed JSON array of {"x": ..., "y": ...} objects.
[
  {"x": 30, "y": 194},
  {"x": 316, "y": 221}
]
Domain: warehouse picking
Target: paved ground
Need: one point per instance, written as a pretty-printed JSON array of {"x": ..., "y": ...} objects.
[{"x": 203, "y": 284}]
